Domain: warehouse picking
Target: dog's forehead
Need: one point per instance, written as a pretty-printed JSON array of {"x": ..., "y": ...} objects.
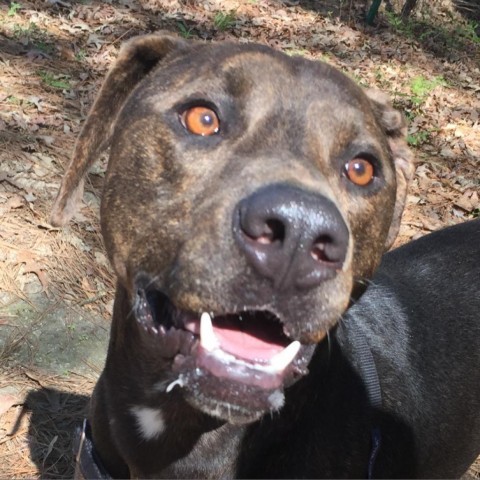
[{"x": 254, "y": 71}]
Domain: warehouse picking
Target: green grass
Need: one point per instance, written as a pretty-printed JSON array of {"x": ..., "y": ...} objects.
[
  {"x": 34, "y": 35},
  {"x": 400, "y": 26},
  {"x": 44, "y": 47},
  {"x": 448, "y": 36},
  {"x": 469, "y": 32},
  {"x": 80, "y": 55},
  {"x": 185, "y": 32},
  {"x": 418, "y": 138},
  {"x": 13, "y": 9},
  {"x": 223, "y": 21},
  {"x": 12, "y": 99},
  {"x": 19, "y": 31},
  {"x": 421, "y": 88},
  {"x": 55, "y": 81}
]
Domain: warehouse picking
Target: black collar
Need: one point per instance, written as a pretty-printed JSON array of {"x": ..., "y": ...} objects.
[
  {"x": 369, "y": 374},
  {"x": 88, "y": 463}
]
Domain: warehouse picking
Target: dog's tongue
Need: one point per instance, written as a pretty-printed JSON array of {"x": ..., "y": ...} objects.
[
  {"x": 253, "y": 345},
  {"x": 249, "y": 352},
  {"x": 245, "y": 345}
]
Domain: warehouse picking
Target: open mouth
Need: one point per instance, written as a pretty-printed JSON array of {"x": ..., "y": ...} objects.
[{"x": 237, "y": 358}]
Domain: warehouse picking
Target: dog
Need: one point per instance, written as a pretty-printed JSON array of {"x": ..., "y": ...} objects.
[{"x": 248, "y": 200}]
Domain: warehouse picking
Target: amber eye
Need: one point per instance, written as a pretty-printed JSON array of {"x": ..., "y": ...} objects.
[
  {"x": 359, "y": 171},
  {"x": 200, "y": 121}
]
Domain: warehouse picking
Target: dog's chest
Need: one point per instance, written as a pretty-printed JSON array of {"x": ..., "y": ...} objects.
[{"x": 214, "y": 455}]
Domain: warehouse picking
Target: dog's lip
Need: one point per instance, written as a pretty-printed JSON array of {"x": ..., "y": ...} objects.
[{"x": 249, "y": 347}]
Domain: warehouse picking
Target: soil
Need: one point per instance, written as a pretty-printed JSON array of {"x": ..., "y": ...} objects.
[{"x": 56, "y": 287}]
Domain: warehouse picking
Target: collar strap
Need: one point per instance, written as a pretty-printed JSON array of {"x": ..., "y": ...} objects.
[
  {"x": 369, "y": 375},
  {"x": 88, "y": 463}
]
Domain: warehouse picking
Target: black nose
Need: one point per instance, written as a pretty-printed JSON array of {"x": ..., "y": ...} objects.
[{"x": 291, "y": 236}]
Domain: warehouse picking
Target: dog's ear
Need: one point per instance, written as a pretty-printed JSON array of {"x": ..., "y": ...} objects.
[
  {"x": 136, "y": 59},
  {"x": 395, "y": 128}
]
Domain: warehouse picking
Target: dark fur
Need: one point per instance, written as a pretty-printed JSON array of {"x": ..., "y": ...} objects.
[{"x": 287, "y": 127}]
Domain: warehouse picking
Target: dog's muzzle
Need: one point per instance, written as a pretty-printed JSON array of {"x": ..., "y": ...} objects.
[{"x": 242, "y": 360}]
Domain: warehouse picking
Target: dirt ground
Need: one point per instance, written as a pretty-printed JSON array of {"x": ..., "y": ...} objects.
[{"x": 56, "y": 286}]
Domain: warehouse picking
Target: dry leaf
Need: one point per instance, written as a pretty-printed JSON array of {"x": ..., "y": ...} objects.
[{"x": 32, "y": 266}]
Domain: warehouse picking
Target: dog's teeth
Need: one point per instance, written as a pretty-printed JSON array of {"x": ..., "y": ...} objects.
[
  {"x": 281, "y": 360},
  {"x": 207, "y": 336}
]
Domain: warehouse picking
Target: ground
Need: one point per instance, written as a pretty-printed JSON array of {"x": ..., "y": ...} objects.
[{"x": 56, "y": 286}]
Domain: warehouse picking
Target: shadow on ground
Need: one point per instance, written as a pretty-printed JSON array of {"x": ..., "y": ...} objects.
[{"x": 54, "y": 417}]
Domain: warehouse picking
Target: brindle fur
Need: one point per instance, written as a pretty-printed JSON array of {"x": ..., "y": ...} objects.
[{"x": 167, "y": 213}]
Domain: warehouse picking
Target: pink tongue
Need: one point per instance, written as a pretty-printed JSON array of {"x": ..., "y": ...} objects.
[{"x": 244, "y": 345}]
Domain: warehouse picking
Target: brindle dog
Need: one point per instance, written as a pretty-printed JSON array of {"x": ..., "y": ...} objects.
[{"x": 248, "y": 198}]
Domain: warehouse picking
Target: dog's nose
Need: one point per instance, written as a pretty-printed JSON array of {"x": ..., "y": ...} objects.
[{"x": 293, "y": 237}]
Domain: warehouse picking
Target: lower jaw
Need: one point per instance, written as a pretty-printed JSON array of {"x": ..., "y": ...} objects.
[
  {"x": 226, "y": 396},
  {"x": 231, "y": 401}
]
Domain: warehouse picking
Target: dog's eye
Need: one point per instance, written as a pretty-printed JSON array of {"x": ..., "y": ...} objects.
[
  {"x": 200, "y": 121},
  {"x": 360, "y": 171}
]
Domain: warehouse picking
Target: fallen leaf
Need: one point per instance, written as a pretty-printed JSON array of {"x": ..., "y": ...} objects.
[{"x": 32, "y": 266}]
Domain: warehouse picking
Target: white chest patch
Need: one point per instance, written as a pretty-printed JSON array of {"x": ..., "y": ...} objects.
[{"x": 150, "y": 421}]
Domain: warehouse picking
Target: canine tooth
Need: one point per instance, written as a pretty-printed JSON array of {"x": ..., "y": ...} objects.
[
  {"x": 207, "y": 336},
  {"x": 281, "y": 360}
]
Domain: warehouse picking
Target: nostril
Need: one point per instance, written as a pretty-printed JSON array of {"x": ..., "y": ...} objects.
[
  {"x": 276, "y": 230},
  {"x": 290, "y": 236},
  {"x": 324, "y": 249},
  {"x": 271, "y": 231}
]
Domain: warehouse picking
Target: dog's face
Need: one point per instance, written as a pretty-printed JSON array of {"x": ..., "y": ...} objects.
[{"x": 247, "y": 194}]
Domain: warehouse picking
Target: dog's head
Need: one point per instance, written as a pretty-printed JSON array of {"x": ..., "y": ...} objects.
[{"x": 247, "y": 195}]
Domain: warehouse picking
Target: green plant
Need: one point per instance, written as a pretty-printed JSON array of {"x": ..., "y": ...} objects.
[
  {"x": 55, "y": 81},
  {"x": 417, "y": 138},
  {"x": 13, "y": 9},
  {"x": 222, "y": 20},
  {"x": 185, "y": 32},
  {"x": 44, "y": 47},
  {"x": 80, "y": 55},
  {"x": 396, "y": 22},
  {"x": 421, "y": 87},
  {"x": 470, "y": 32},
  {"x": 21, "y": 31},
  {"x": 14, "y": 100}
]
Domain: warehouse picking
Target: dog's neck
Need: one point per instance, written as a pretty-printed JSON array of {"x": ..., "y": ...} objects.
[
  {"x": 199, "y": 453},
  {"x": 175, "y": 439}
]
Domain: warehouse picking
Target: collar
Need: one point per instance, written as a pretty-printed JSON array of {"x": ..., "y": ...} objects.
[
  {"x": 369, "y": 375},
  {"x": 88, "y": 463}
]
